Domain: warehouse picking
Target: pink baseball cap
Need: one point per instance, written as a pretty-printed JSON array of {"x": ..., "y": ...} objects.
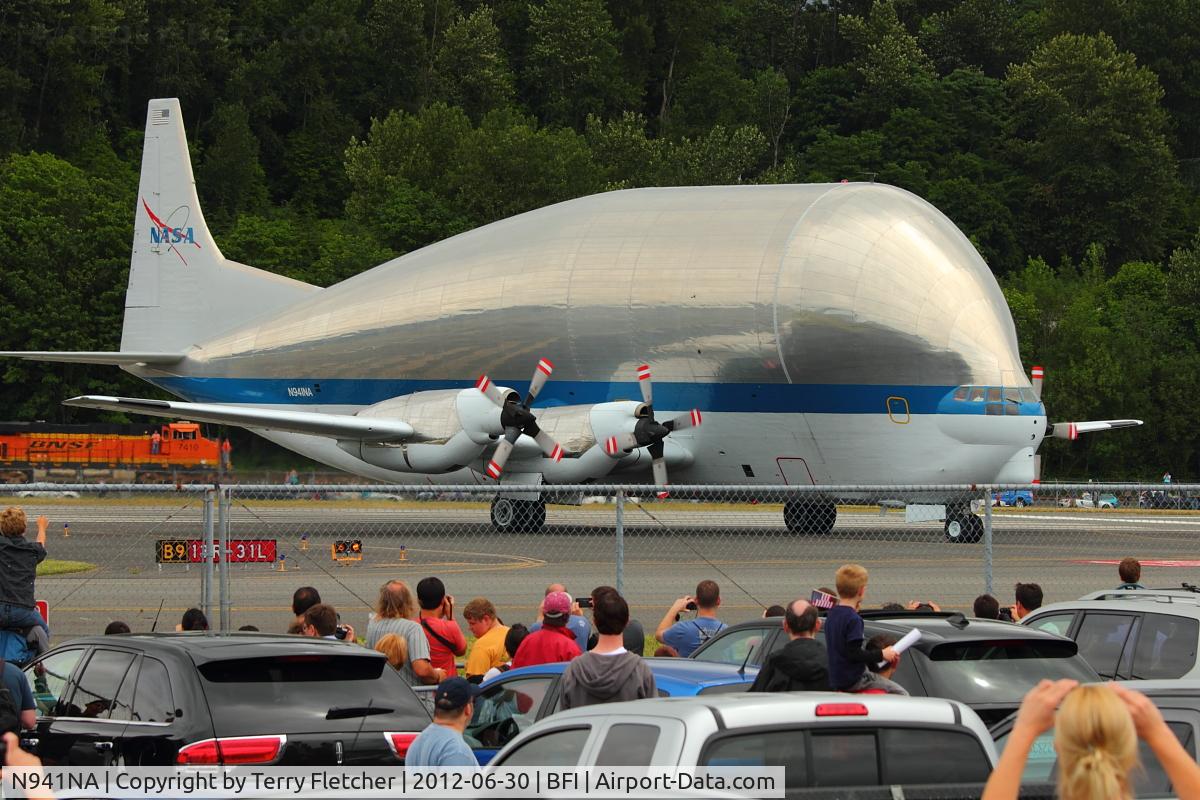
[{"x": 557, "y": 605}]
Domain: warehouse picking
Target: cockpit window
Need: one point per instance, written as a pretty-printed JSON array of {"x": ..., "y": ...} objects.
[
  {"x": 960, "y": 393},
  {"x": 993, "y": 394},
  {"x": 977, "y": 394},
  {"x": 1012, "y": 394},
  {"x": 1028, "y": 396}
]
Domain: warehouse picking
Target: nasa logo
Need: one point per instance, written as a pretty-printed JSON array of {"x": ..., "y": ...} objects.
[
  {"x": 162, "y": 232},
  {"x": 166, "y": 235}
]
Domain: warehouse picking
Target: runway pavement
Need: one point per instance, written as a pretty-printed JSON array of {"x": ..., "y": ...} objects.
[{"x": 667, "y": 549}]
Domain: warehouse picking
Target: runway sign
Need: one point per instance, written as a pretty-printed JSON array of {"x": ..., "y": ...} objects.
[{"x": 191, "y": 551}]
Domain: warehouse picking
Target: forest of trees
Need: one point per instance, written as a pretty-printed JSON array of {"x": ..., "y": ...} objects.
[{"x": 1062, "y": 136}]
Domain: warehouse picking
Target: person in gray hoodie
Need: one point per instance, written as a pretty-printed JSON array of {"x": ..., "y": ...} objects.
[{"x": 608, "y": 673}]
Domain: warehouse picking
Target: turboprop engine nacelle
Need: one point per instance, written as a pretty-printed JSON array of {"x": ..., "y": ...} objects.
[{"x": 452, "y": 428}]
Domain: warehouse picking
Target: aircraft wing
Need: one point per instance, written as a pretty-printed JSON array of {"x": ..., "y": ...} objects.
[
  {"x": 1071, "y": 430},
  {"x": 93, "y": 357},
  {"x": 339, "y": 426}
]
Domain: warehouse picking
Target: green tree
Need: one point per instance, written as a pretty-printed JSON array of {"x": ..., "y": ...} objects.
[
  {"x": 64, "y": 244},
  {"x": 508, "y": 165},
  {"x": 772, "y": 98},
  {"x": 573, "y": 66},
  {"x": 470, "y": 69},
  {"x": 1090, "y": 140},
  {"x": 230, "y": 178},
  {"x": 887, "y": 56}
]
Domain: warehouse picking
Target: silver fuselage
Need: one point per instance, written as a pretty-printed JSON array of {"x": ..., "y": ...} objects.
[{"x": 822, "y": 329}]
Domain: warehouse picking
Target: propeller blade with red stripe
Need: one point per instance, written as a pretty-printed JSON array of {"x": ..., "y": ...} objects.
[
  {"x": 485, "y": 385},
  {"x": 540, "y": 374}
]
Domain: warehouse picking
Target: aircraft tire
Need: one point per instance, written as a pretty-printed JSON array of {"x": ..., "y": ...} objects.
[
  {"x": 963, "y": 528},
  {"x": 510, "y": 515},
  {"x": 808, "y": 517}
]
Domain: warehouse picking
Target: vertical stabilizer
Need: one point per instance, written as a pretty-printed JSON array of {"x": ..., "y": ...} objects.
[{"x": 182, "y": 291}]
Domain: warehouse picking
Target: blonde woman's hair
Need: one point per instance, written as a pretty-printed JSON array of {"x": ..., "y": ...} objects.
[
  {"x": 395, "y": 648},
  {"x": 395, "y": 601},
  {"x": 1096, "y": 744},
  {"x": 12, "y": 522}
]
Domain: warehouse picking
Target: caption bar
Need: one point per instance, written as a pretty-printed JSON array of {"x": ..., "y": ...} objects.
[{"x": 219, "y": 783}]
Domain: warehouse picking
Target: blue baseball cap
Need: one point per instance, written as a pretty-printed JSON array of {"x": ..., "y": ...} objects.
[{"x": 454, "y": 693}]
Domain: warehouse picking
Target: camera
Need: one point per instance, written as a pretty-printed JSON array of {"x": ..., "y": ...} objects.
[
  {"x": 341, "y": 631},
  {"x": 1006, "y": 615},
  {"x": 584, "y": 602},
  {"x": 691, "y": 606}
]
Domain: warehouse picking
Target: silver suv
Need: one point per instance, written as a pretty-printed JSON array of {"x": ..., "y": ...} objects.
[
  {"x": 822, "y": 739},
  {"x": 1130, "y": 634}
]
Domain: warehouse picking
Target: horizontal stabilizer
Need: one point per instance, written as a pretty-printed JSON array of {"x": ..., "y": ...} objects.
[
  {"x": 338, "y": 426},
  {"x": 1072, "y": 430},
  {"x": 94, "y": 357}
]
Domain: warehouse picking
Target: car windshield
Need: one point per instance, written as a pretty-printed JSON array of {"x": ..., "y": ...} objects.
[{"x": 1001, "y": 671}]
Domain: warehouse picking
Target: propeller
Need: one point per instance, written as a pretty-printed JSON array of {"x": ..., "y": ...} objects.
[
  {"x": 649, "y": 432},
  {"x": 517, "y": 419}
]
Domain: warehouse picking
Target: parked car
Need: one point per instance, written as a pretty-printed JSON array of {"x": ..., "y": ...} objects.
[
  {"x": 822, "y": 739},
  {"x": 244, "y": 698},
  {"x": 1164, "y": 499},
  {"x": 1130, "y": 634},
  {"x": 986, "y": 664},
  {"x": 1018, "y": 498},
  {"x": 515, "y": 700},
  {"x": 1090, "y": 500},
  {"x": 1179, "y": 702}
]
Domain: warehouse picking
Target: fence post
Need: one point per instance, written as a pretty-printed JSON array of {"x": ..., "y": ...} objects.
[
  {"x": 620, "y": 542},
  {"x": 987, "y": 543},
  {"x": 206, "y": 575},
  {"x": 223, "y": 550}
]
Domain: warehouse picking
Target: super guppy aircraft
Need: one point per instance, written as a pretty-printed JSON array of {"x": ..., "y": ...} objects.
[{"x": 800, "y": 334}]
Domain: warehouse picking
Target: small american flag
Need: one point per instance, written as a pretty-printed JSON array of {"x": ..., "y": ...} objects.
[
  {"x": 160, "y": 116},
  {"x": 822, "y": 599}
]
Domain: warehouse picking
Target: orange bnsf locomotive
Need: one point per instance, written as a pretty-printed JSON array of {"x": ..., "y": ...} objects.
[{"x": 173, "y": 445}]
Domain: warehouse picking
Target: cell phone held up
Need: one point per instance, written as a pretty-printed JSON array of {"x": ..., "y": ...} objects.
[
  {"x": 341, "y": 631},
  {"x": 584, "y": 602}
]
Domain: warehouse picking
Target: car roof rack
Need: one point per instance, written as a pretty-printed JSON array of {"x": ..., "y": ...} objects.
[
  {"x": 1186, "y": 594},
  {"x": 878, "y": 613}
]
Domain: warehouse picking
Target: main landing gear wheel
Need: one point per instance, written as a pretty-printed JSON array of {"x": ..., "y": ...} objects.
[
  {"x": 510, "y": 515},
  {"x": 964, "y": 527},
  {"x": 806, "y": 516}
]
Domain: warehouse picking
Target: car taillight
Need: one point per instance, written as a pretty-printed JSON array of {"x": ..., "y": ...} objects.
[
  {"x": 400, "y": 741},
  {"x": 841, "y": 710},
  {"x": 232, "y": 750}
]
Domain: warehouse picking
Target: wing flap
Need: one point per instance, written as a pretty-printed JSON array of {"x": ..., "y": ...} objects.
[
  {"x": 94, "y": 357},
  {"x": 338, "y": 426}
]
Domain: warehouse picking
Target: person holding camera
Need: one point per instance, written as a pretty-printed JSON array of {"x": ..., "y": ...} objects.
[
  {"x": 393, "y": 610},
  {"x": 686, "y": 635},
  {"x": 321, "y": 622},
  {"x": 446, "y": 640},
  {"x": 576, "y": 622}
]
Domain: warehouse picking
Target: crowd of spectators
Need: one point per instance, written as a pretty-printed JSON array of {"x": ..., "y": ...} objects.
[{"x": 421, "y": 640}]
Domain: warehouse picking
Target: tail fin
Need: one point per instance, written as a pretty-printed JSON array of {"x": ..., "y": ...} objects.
[{"x": 182, "y": 291}]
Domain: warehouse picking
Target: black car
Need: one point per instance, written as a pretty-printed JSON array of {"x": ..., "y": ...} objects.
[
  {"x": 986, "y": 664},
  {"x": 203, "y": 698}
]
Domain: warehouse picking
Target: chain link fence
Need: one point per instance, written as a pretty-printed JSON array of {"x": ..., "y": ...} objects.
[{"x": 142, "y": 548}]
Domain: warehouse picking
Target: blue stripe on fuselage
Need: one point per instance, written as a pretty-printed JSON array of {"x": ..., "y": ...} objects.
[{"x": 715, "y": 397}]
